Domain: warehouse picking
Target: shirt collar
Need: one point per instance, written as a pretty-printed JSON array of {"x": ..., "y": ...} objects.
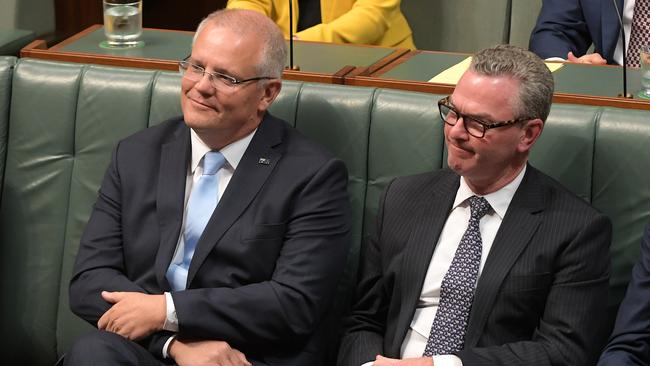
[
  {"x": 498, "y": 200},
  {"x": 233, "y": 152}
]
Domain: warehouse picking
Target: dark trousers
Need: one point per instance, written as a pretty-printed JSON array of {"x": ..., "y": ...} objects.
[{"x": 105, "y": 348}]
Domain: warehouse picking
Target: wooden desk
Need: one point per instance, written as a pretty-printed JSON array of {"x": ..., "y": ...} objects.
[
  {"x": 574, "y": 83},
  {"x": 318, "y": 61}
]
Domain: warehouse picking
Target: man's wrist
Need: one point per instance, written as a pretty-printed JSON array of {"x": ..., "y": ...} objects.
[{"x": 170, "y": 346}]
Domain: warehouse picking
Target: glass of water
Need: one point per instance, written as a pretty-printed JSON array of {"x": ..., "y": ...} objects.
[
  {"x": 645, "y": 72},
  {"x": 122, "y": 23}
]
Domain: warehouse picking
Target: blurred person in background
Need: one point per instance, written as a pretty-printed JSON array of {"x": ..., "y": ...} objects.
[{"x": 372, "y": 22}]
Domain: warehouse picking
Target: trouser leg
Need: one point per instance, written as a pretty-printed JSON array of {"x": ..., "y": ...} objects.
[{"x": 105, "y": 348}]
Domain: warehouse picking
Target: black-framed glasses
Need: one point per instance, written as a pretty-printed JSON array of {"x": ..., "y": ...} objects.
[
  {"x": 217, "y": 79},
  {"x": 473, "y": 125}
]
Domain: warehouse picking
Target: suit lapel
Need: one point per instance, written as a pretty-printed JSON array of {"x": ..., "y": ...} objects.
[
  {"x": 516, "y": 230},
  {"x": 610, "y": 32},
  {"x": 170, "y": 199},
  {"x": 429, "y": 219},
  {"x": 246, "y": 182}
]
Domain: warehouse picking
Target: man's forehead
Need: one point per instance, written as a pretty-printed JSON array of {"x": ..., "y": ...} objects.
[
  {"x": 473, "y": 77},
  {"x": 484, "y": 95},
  {"x": 218, "y": 42},
  {"x": 216, "y": 31}
]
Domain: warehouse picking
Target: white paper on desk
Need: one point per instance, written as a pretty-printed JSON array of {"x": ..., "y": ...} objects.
[
  {"x": 453, "y": 74},
  {"x": 554, "y": 66}
]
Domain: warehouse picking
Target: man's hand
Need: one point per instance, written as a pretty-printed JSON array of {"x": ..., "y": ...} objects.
[
  {"x": 134, "y": 315},
  {"x": 421, "y": 361},
  {"x": 590, "y": 58},
  {"x": 199, "y": 353}
]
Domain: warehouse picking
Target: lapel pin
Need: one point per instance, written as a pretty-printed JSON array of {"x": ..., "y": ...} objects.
[{"x": 264, "y": 161}]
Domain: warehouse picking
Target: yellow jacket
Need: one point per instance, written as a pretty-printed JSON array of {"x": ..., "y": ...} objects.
[{"x": 375, "y": 22}]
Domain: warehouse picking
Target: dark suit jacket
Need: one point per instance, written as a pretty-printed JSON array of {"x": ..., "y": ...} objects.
[
  {"x": 573, "y": 25},
  {"x": 267, "y": 265},
  {"x": 630, "y": 340},
  {"x": 543, "y": 285}
]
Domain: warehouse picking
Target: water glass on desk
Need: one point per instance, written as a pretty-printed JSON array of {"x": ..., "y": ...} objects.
[
  {"x": 122, "y": 23},
  {"x": 645, "y": 72}
]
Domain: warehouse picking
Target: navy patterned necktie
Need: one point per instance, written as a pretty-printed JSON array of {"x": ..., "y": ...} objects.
[
  {"x": 640, "y": 34},
  {"x": 457, "y": 290}
]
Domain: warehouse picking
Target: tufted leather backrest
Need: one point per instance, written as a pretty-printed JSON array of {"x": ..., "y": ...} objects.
[{"x": 59, "y": 123}]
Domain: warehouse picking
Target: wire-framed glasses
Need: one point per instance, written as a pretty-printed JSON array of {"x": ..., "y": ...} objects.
[{"x": 219, "y": 80}]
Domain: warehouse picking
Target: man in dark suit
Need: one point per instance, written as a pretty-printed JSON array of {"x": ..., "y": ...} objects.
[
  {"x": 169, "y": 278},
  {"x": 489, "y": 262},
  {"x": 567, "y": 28},
  {"x": 629, "y": 343}
]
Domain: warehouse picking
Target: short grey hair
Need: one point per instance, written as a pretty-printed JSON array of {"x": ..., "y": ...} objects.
[
  {"x": 253, "y": 24},
  {"x": 535, "y": 79}
]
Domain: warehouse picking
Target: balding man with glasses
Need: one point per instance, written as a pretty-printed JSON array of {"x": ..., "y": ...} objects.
[
  {"x": 488, "y": 262},
  {"x": 218, "y": 237}
]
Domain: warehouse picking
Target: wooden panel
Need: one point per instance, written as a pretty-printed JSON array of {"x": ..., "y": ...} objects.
[
  {"x": 179, "y": 15},
  {"x": 320, "y": 61},
  {"x": 574, "y": 83},
  {"x": 73, "y": 16}
]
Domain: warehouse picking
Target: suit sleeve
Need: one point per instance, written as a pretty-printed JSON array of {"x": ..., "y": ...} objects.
[
  {"x": 288, "y": 307},
  {"x": 365, "y": 327},
  {"x": 560, "y": 28},
  {"x": 630, "y": 340},
  {"x": 569, "y": 332},
  {"x": 99, "y": 265}
]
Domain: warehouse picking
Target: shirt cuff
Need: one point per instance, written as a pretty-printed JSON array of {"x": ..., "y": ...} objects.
[
  {"x": 441, "y": 360},
  {"x": 447, "y": 360},
  {"x": 171, "y": 321},
  {"x": 165, "y": 350},
  {"x": 555, "y": 59}
]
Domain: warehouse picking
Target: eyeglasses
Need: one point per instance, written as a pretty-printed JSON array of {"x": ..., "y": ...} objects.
[
  {"x": 474, "y": 126},
  {"x": 217, "y": 79}
]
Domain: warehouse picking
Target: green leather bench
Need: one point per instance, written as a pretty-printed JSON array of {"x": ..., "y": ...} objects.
[{"x": 59, "y": 122}]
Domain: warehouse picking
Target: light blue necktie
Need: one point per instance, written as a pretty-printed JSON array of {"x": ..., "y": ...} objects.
[{"x": 203, "y": 200}]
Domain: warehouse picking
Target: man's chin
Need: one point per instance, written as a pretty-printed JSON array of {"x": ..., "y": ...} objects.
[
  {"x": 456, "y": 169},
  {"x": 457, "y": 165},
  {"x": 198, "y": 121}
]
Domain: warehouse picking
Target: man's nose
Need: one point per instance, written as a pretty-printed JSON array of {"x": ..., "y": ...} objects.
[
  {"x": 458, "y": 131},
  {"x": 204, "y": 84}
]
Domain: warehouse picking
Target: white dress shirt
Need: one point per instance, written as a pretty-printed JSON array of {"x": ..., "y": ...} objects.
[
  {"x": 233, "y": 154},
  {"x": 455, "y": 226}
]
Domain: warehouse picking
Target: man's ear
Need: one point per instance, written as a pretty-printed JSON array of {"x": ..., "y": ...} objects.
[
  {"x": 531, "y": 131},
  {"x": 271, "y": 91}
]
